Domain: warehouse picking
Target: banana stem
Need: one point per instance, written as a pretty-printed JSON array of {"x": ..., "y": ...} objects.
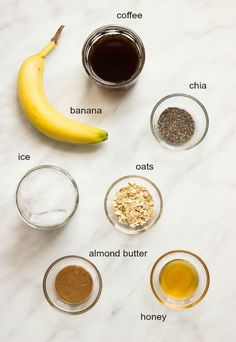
[
  {"x": 57, "y": 35},
  {"x": 45, "y": 51}
]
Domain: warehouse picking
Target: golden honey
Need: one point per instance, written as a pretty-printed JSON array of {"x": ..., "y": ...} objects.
[{"x": 178, "y": 279}]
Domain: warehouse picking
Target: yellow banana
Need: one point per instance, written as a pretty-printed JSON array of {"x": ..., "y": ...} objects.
[{"x": 41, "y": 113}]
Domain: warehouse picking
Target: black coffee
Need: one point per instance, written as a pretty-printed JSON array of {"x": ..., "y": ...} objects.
[{"x": 114, "y": 58}]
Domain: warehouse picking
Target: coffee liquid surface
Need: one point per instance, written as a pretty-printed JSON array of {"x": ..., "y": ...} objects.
[{"x": 114, "y": 58}]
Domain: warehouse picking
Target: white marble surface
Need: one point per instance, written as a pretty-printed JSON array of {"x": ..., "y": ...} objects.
[{"x": 185, "y": 41}]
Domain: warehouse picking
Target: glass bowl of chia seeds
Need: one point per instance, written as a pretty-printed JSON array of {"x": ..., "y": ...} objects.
[
  {"x": 133, "y": 204},
  {"x": 179, "y": 122}
]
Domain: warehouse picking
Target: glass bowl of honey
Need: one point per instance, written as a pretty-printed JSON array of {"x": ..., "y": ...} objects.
[
  {"x": 179, "y": 279},
  {"x": 113, "y": 56},
  {"x": 72, "y": 284}
]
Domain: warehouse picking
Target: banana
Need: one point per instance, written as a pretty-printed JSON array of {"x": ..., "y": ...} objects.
[{"x": 41, "y": 113}]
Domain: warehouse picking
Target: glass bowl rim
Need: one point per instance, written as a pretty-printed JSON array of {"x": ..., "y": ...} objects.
[
  {"x": 133, "y": 176},
  {"x": 186, "y": 306},
  {"x": 88, "y": 43},
  {"x": 46, "y": 292},
  {"x": 54, "y": 167},
  {"x": 179, "y": 95}
]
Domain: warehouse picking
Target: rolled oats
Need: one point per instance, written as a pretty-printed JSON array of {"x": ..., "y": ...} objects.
[{"x": 133, "y": 205}]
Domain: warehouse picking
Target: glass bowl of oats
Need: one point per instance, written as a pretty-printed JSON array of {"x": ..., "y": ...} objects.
[
  {"x": 179, "y": 122},
  {"x": 133, "y": 204}
]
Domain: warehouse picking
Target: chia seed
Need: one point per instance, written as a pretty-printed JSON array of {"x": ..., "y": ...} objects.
[{"x": 176, "y": 125}]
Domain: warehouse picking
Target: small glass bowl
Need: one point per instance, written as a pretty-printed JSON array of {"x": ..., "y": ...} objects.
[
  {"x": 47, "y": 197},
  {"x": 109, "y": 30},
  {"x": 203, "y": 275},
  {"x": 194, "y": 107},
  {"x": 50, "y": 291},
  {"x": 122, "y": 182}
]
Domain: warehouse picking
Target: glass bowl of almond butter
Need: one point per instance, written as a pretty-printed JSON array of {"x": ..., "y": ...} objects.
[
  {"x": 133, "y": 204},
  {"x": 72, "y": 284}
]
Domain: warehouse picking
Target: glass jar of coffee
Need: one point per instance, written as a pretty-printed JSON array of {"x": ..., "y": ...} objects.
[{"x": 113, "y": 56}]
